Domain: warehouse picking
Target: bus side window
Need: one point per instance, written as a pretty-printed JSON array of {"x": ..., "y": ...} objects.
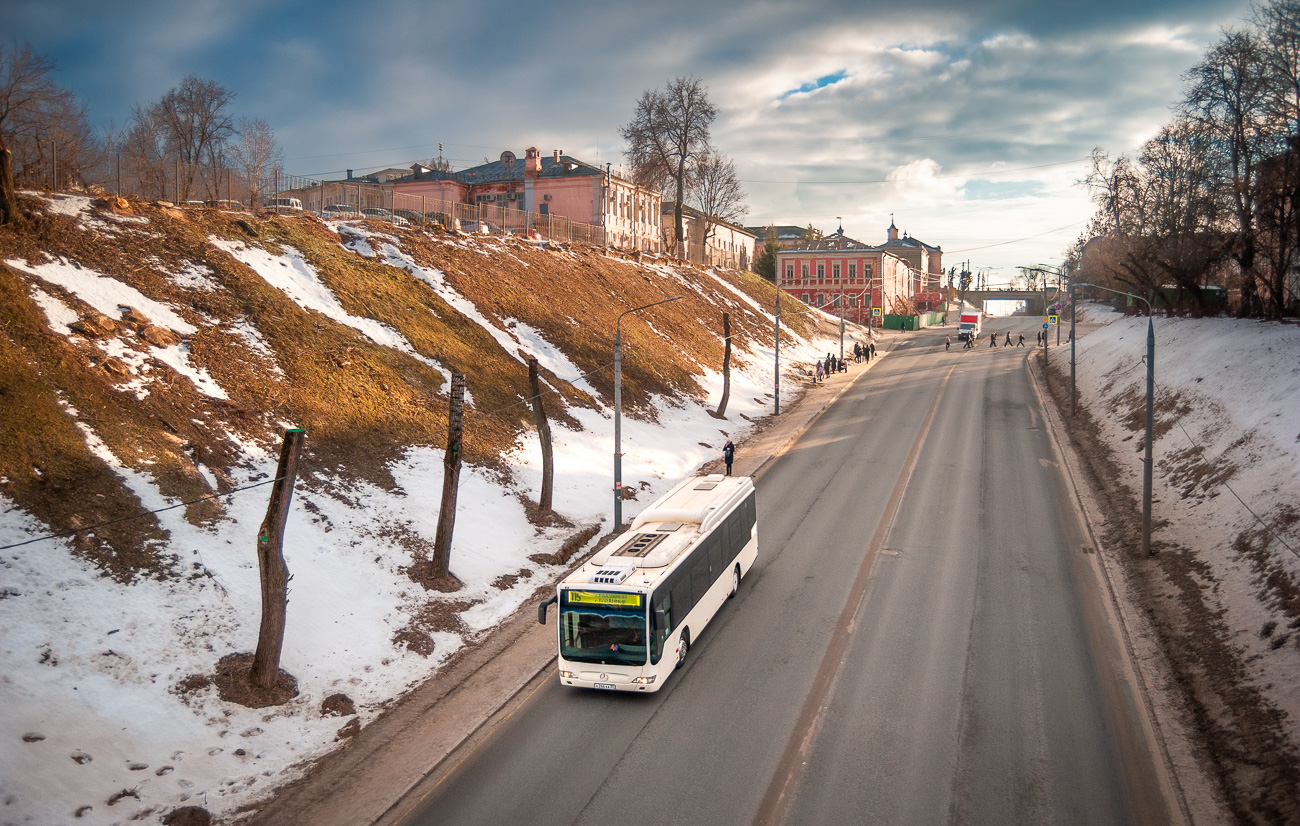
[
  {"x": 701, "y": 578},
  {"x": 719, "y": 550}
]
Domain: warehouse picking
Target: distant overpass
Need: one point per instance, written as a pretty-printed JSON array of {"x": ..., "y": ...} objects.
[{"x": 1033, "y": 298}]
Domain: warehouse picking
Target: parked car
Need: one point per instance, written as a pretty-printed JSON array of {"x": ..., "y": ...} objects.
[
  {"x": 381, "y": 214},
  {"x": 410, "y": 215},
  {"x": 233, "y": 206},
  {"x": 284, "y": 204},
  {"x": 340, "y": 211}
]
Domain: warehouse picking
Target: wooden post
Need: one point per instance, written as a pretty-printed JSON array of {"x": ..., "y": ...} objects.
[
  {"x": 270, "y": 558},
  {"x": 726, "y": 365},
  {"x": 450, "y": 478},
  {"x": 543, "y": 435}
]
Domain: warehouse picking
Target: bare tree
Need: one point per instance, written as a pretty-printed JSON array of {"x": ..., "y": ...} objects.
[
  {"x": 197, "y": 125},
  {"x": 669, "y": 131},
  {"x": 714, "y": 189},
  {"x": 145, "y": 144},
  {"x": 256, "y": 154},
  {"x": 32, "y": 108}
]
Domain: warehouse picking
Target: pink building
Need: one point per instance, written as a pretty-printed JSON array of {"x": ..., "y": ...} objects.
[
  {"x": 836, "y": 268},
  {"x": 556, "y": 185}
]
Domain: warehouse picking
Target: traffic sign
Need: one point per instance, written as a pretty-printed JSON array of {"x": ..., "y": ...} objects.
[
  {"x": 1051, "y": 319},
  {"x": 1045, "y": 325},
  {"x": 876, "y": 311}
]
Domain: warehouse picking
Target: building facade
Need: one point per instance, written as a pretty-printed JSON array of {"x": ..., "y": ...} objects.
[
  {"x": 558, "y": 185},
  {"x": 837, "y": 271},
  {"x": 710, "y": 242}
]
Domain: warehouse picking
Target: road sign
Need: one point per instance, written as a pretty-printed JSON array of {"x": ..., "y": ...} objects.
[
  {"x": 877, "y": 311},
  {"x": 1051, "y": 319},
  {"x": 1045, "y": 325}
]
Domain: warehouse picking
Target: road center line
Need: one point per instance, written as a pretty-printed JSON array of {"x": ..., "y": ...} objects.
[{"x": 789, "y": 770}]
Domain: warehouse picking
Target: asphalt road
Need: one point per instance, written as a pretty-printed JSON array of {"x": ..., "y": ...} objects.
[{"x": 917, "y": 643}]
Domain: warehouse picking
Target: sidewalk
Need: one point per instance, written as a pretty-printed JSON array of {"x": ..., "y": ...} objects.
[{"x": 361, "y": 781}]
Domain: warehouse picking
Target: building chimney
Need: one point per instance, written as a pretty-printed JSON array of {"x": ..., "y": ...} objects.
[
  {"x": 556, "y": 160},
  {"x": 532, "y": 162},
  {"x": 349, "y": 174}
]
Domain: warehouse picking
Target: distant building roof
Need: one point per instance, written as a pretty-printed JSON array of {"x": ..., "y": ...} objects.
[
  {"x": 670, "y": 208},
  {"x": 834, "y": 241},
  {"x": 495, "y": 172},
  {"x": 909, "y": 243},
  {"x": 783, "y": 233}
]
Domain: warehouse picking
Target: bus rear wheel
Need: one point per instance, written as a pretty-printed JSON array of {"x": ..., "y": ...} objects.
[
  {"x": 684, "y": 647},
  {"x": 735, "y": 581}
]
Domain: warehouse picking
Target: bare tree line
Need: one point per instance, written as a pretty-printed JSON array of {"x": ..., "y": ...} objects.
[
  {"x": 1211, "y": 201},
  {"x": 188, "y": 141},
  {"x": 669, "y": 146}
]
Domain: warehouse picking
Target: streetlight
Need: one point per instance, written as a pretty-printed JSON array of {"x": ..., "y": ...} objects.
[
  {"x": 618, "y": 407},
  {"x": 1151, "y": 399}
]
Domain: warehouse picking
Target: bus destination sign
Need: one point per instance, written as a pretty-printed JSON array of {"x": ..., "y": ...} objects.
[{"x": 612, "y": 599}]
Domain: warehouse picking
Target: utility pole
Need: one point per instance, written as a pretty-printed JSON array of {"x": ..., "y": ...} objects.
[
  {"x": 543, "y": 436},
  {"x": 270, "y": 561},
  {"x": 450, "y": 478},
  {"x": 776, "y": 349}
]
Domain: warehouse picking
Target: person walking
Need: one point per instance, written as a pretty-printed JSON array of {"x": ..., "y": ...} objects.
[
  {"x": 1008, "y": 344},
  {"x": 993, "y": 339},
  {"x": 728, "y": 455},
  {"x": 947, "y": 342},
  {"x": 819, "y": 370},
  {"x": 1021, "y": 342},
  {"x": 873, "y": 348}
]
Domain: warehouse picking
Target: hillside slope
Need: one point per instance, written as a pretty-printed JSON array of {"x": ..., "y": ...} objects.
[{"x": 150, "y": 360}]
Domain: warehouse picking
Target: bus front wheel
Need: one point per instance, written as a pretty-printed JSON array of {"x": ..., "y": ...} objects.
[{"x": 682, "y": 648}]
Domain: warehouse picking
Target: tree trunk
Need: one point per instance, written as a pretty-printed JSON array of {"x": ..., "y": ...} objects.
[
  {"x": 726, "y": 365},
  {"x": 270, "y": 558},
  {"x": 450, "y": 479},
  {"x": 543, "y": 436},
  {"x": 8, "y": 198}
]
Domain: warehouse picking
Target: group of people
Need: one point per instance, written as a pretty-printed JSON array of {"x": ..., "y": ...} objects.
[
  {"x": 835, "y": 364},
  {"x": 993, "y": 341}
]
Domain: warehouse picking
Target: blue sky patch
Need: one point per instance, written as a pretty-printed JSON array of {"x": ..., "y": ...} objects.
[{"x": 820, "y": 83}]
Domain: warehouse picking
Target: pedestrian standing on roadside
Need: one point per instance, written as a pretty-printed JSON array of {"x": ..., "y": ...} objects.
[
  {"x": 1038, "y": 339},
  {"x": 728, "y": 455},
  {"x": 1008, "y": 344},
  {"x": 947, "y": 342},
  {"x": 819, "y": 370}
]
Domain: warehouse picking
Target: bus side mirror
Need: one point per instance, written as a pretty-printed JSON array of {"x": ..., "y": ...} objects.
[{"x": 541, "y": 609}]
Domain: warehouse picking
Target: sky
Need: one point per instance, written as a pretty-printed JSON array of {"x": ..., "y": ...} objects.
[{"x": 967, "y": 125}]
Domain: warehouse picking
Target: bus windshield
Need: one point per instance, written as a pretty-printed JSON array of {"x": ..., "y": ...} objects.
[{"x": 606, "y": 628}]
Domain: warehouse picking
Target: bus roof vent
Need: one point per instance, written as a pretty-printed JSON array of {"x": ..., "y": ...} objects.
[
  {"x": 705, "y": 486},
  {"x": 641, "y": 544},
  {"x": 611, "y": 575},
  {"x": 669, "y": 526}
]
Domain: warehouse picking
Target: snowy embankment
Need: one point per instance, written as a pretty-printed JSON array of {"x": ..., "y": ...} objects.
[
  {"x": 94, "y": 726},
  {"x": 1227, "y": 465}
]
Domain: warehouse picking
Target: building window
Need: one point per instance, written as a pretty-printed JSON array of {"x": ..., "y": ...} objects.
[
  {"x": 835, "y": 271},
  {"x": 789, "y": 272},
  {"x": 866, "y": 270},
  {"x": 821, "y": 270},
  {"x": 853, "y": 270},
  {"x": 853, "y": 301},
  {"x": 805, "y": 270},
  {"x": 804, "y": 298},
  {"x": 821, "y": 300}
]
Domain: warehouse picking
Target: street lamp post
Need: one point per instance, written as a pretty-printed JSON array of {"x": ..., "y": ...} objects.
[
  {"x": 618, "y": 407},
  {"x": 1148, "y": 459}
]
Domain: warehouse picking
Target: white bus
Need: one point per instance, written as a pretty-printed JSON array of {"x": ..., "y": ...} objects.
[{"x": 628, "y": 615}]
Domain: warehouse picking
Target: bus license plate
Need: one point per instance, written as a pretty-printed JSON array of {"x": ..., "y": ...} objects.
[{"x": 610, "y": 686}]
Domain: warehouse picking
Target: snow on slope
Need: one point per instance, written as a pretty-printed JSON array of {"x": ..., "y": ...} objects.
[
  {"x": 1238, "y": 382},
  {"x": 90, "y": 669}
]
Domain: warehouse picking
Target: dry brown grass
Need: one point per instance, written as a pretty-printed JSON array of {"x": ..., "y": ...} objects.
[{"x": 362, "y": 404}]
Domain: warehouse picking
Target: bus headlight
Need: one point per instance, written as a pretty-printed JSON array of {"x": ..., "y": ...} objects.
[
  {"x": 567, "y": 674},
  {"x": 643, "y": 680}
]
